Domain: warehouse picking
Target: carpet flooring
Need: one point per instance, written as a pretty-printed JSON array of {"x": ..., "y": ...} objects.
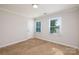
[{"x": 36, "y": 46}]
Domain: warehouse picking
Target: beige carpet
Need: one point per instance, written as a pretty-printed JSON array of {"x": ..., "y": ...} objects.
[{"x": 37, "y": 47}]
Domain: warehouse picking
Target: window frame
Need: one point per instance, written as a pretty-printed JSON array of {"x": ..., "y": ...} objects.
[
  {"x": 58, "y": 20},
  {"x": 37, "y": 26}
]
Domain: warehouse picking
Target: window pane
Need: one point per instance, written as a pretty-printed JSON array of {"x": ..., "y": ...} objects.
[
  {"x": 53, "y": 22},
  {"x": 54, "y": 26},
  {"x": 38, "y": 26},
  {"x": 52, "y": 30}
]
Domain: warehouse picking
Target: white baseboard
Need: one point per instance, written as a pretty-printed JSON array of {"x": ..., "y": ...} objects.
[
  {"x": 11, "y": 43},
  {"x": 59, "y": 43}
]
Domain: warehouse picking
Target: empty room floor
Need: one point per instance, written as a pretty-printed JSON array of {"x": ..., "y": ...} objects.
[{"x": 36, "y": 46}]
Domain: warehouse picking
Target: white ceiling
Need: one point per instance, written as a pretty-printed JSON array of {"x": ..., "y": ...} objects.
[{"x": 28, "y": 11}]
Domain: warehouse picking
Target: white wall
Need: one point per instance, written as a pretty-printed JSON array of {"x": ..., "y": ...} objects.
[
  {"x": 14, "y": 28},
  {"x": 69, "y": 30}
]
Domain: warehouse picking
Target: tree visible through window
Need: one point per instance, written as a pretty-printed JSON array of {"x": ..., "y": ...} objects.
[{"x": 54, "y": 25}]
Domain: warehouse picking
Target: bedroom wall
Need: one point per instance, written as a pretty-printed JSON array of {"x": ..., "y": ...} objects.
[
  {"x": 69, "y": 34},
  {"x": 14, "y": 28}
]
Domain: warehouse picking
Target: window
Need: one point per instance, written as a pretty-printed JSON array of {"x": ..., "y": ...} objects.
[
  {"x": 55, "y": 25},
  {"x": 38, "y": 26}
]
